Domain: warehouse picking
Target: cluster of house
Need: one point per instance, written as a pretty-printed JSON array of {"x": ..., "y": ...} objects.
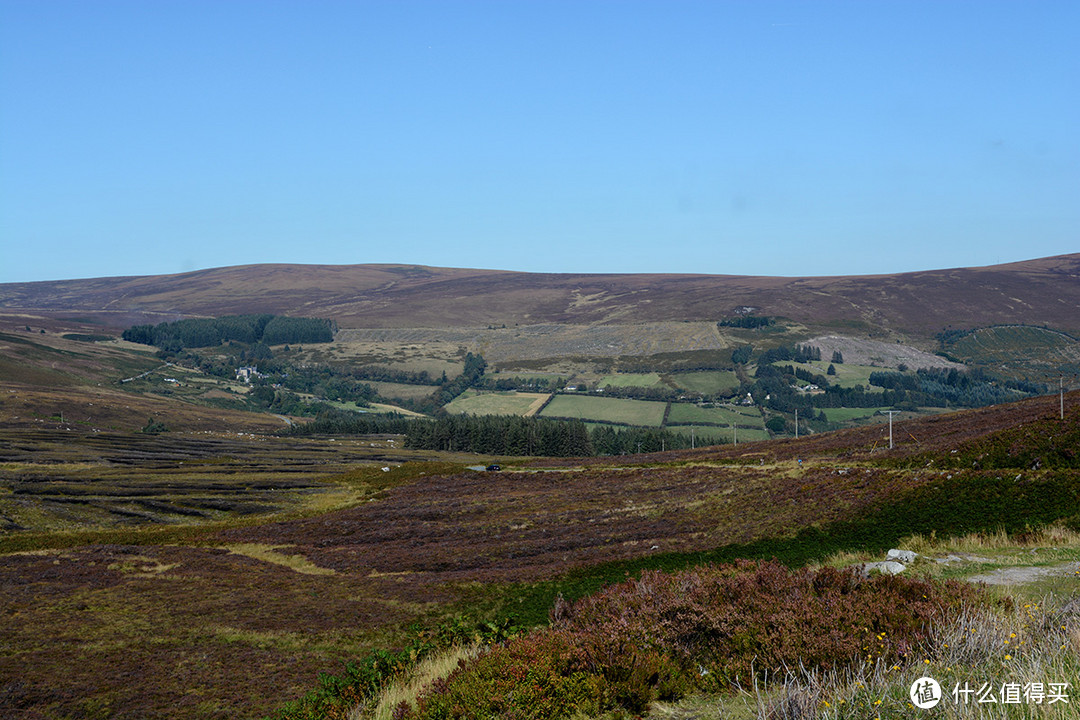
[{"x": 245, "y": 374}]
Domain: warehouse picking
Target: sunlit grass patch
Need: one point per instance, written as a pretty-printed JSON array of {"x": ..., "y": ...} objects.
[
  {"x": 270, "y": 554},
  {"x": 142, "y": 566},
  {"x": 409, "y": 687}
]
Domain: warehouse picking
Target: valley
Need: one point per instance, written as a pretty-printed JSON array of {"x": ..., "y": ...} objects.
[{"x": 209, "y": 543}]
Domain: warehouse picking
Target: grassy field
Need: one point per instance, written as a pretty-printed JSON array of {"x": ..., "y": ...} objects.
[
  {"x": 689, "y": 414},
  {"x": 847, "y": 375},
  {"x": 646, "y": 380},
  {"x": 706, "y": 382},
  {"x": 472, "y": 402},
  {"x": 607, "y": 410},
  {"x": 401, "y": 390},
  {"x": 844, "y": 415}
]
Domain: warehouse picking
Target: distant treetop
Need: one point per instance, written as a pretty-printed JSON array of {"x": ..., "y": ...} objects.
[
  {"x": 206, "y": 332},
  {"x": 747, "y": 321}
]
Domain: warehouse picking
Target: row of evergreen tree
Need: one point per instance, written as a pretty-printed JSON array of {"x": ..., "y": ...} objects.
[
  {"x": 749, "y": 322},
  {"x": 500, "y": 434},
  {"x": 205, "y": 332},
  {"x": 514, "y": 435},
  {"x": 332, "y": 421}
]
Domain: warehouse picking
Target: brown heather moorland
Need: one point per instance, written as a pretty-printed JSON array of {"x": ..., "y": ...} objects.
[
  {"x": 213, "y": 571},
  {"x": 1034, "y": 292},
  {"x": 230, "y": 620}
]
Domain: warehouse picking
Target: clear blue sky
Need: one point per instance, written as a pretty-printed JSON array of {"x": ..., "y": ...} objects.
[{"x": 770, "y": 138}]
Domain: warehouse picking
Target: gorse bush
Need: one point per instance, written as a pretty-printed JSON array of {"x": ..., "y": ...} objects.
[{"x": 710, "y": 628}]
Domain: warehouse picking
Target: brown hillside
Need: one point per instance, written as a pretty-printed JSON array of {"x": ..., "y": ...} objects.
[{"x": 1044, "y": 291}]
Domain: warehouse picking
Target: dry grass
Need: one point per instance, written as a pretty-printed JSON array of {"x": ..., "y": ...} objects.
[
  {"x": 1029, "y": 643},
  {"x": 967, "y": 555},
  {"x": 1057, "y": 536},
  {"x": 410, "y": 687},
  {"x": 270, "y": 554}
]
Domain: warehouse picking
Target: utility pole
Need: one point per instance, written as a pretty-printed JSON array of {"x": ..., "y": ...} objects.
[
  {"x": 691, "y": 437},
  {"x": 891, "y": 413},
  {"x": 1061, "y": 392},
  {"x": 735, "y": 432},
  {"x": 796, "y": 423}
]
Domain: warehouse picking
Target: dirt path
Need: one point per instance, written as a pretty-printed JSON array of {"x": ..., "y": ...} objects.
[{"x": 1025, "y": 574}]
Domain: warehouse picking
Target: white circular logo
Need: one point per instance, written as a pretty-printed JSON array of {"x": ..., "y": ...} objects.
[{"x": 925, "y": 693}]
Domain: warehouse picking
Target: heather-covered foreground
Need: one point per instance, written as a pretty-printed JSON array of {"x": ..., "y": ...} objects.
[
  {"x": 715, "y": 628},
  {"x": 236, "y": 618}
]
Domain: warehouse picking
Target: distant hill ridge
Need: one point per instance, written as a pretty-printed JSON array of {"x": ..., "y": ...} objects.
[{"x": 1035, "y": 292}]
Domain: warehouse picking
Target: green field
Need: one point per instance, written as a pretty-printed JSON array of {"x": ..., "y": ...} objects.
[
  {"x": 607, "y": 410},
  {"x": 688, "y": 414},
  {"x": 472, "y": 402},
  {"x": 401, "y": 390},
  {"x": 846, "y": 415},
  {"x": 707, "y": 382},
  {"x": 646, "y": 380}
]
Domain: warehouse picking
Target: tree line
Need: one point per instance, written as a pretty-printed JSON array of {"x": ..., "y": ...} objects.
[
  {"x": 499, "y": 434},
  {"x": 205, "y": 332},
  {"x": 515, "y": 435},
  {"x": 750, "y": 322}
]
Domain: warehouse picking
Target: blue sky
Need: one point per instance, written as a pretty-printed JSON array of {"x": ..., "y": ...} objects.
[{"x": 766, "y": 138}]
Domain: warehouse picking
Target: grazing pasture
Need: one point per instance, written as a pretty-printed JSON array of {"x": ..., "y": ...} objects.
[
  {"x": 690, "y": 414},
  {"x": 473, "y": 402},
  {"x": 606, "y": 410},
  {"x": 645, "y": 380},
  {"x": 706, "y": 382},
  {"x": 844, "y": 415},
  {"x": 847, "y": 374}
]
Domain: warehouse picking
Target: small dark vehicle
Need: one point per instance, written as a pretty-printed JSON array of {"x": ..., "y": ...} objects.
[{"x": 493, "y": 468}]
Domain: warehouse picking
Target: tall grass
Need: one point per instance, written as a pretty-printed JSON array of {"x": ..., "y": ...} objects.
[
  {"x": 410, "y": 686},
  {"x": 982, "y": 649}
]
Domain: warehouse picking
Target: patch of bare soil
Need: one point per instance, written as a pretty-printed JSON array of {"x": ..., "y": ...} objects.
[
  {"x": 1020, "y": 575},
  {"x": 872, "y": 352}
]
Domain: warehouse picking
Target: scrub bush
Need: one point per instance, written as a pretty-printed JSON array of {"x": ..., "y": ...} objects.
[{"x": 711, "y": 628}]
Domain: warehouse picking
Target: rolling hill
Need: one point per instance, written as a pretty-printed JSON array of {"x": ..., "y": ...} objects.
[{"x": 1036, "y": 292}]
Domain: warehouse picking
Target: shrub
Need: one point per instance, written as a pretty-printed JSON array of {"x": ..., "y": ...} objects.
[
  {"x": 712, "y": 627},
  {"x": 732, "y": 622}
]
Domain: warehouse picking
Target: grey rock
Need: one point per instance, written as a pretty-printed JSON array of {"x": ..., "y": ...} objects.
[
  {"x": 888, "y": 567},
  {"x": 902, "y": 556}
]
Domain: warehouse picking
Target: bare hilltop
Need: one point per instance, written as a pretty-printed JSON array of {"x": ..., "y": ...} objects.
[{"x": 1035, "y": 292}]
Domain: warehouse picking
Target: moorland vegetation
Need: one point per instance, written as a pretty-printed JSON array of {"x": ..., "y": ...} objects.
[{"x": 201, "y": 560}]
